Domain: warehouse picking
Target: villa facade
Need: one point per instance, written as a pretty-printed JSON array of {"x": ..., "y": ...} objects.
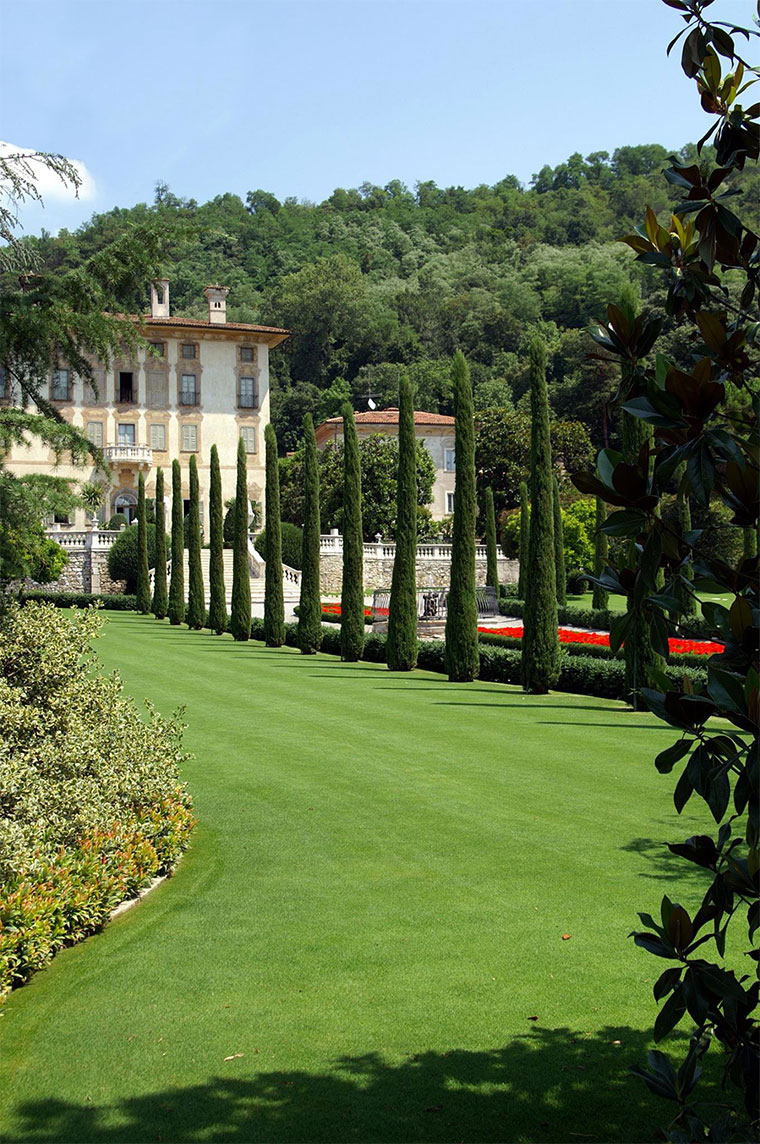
[{"x": 198, "y": 383}]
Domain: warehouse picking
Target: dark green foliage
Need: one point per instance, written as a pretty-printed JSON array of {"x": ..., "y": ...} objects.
[
  {"x": 600, "y": 597},
  {"x": 640, "y": 656},
  {"x": 143, "y": 580},
  {"x": 559, "y": 547},
  {"x": 352, "y": 594},
  {"x": 540, "y": 640},
  {"x": 116, "y": 602},
  {"x": 274, "y": 607},
  {"x": 160, "y": 602},
  {"x": 123, "y": 556},
  {"x": 686, "y": 597},
  {"x": 402, "y": 612},
  {"x": 492, "y": 557},
  {"x": 217, "y": 612},
  {"x": 462, "y": 614},
  {"x": 177, "y": 582},
  {"x": 291, "y": 540},
  {"x": 522, "y": 581},
  {"x": 117, "y": 521},
  {"x": 196, "y": 600},
  {"x": 310, "y": 603},
  {"x": 689, "y": 627},
  {"x": 240, "y": 612}
]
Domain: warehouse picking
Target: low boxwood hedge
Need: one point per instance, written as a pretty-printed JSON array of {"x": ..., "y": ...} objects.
[
  {"x": 593, "y": 651},
  {"x": 118, "y": 602},
  {"x": 600, "y": 619}
]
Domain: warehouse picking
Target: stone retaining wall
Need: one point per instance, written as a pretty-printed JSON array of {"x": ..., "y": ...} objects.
[
  {"x": 86, "y": 571},
  {"x": 431, "y": 573}
]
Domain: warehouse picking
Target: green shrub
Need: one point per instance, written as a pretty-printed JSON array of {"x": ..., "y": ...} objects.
[
  {"x": 117, "y": 521},
  {"x": 291, "y": 536},
  {"x": 76, "y": 755},
  {"x": 599, "y": 620},
  {"x": 123, "y": 556},
  {"x": 115, "y": 603}
]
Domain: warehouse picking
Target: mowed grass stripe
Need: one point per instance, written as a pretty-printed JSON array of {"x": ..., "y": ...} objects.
[{"x": 371, "y": 911}]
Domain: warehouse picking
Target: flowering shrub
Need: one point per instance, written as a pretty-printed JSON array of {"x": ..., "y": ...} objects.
[
  {"x": 91, "y": 805},
  {"x": 602, "y": 639}
]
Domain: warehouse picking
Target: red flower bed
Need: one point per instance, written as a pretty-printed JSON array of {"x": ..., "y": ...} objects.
[
  {"x": 602, "y": 639},
  {"x": 334, "y": 610}
]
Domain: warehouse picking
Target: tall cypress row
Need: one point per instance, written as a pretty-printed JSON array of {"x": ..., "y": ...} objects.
[
  {"x": 401, "y": 645},
  {"x": 559, "y": 547},
  {"x": 522, "y": 579},
  {"x": 688, "y": 601},
  {"x": 143, "y": 572},
  {"x": 310, "y": 605},
  {"x": 274, "y": 606},
  {"x": 492, "y": 556},
  {"x": 540, "y": 645},
  {"x": 352, "y": 593},
  {"x": 600, "y": 597},
  {"x": 177, "y": 582},
  {"x": 217, "y": 610},
  {"x": 240, "y": 617},
  {"x": 160, "y": 602},
  {"x": 462, "y": 660},
  {"x": 196, "y": 601},
  {"x": 639, "y": 654}
]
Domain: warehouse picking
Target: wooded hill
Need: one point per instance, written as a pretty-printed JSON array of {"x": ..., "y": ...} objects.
[{"x": 378, "y": 279}]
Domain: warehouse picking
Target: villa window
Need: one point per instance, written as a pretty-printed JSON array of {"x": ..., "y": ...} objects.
[
  {"x": 248, "y": 398},
  {"x": 4, "y": 394},
  {"x": 94, "y": 431},
  {"x": 126, "y": 388},
  {"x": 158, "y": 349},
  {"x": 247, "y": 353},
  {"x": 449, "y": 503},
  {"x": 189, "y": 438},
  {"x": 158, "y": 438},
  {"x": 248, "y": 437},
  {"x": 449, "y": 460},
  {"x": 60, "y": 389},
  {"x": 188, "y": 350},
  {"x": 189, "y": 389},
  {"x": 126, "y": 434}
]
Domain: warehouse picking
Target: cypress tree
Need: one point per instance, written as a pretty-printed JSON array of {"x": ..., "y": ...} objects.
[
  {"x": 639, "y": 654},
  {"x": 522, "y": 579},
  {"x": 143, "y": 573},
  {"x": 749, "y": 543},
  {"x": 559, "y": 547},
  {"x": 352, "y": 594},
  {"x": 600, "y": 597},
  {"x": 401, "y": 645},
  {"x": 274, "y": 606},
  {"x": 540, "y": 639},
  {"x": 492, "y": 559},
  {"x": 240, "y": 618},
  {"x": 196, "y": 601},
  {"x": 217, "y": 612},
  {"x": 462, "y": 659},
  {"x": 177, "y": 582},
  {"x": 160, "y": 600},
  {"x": 310, "y": 609},
  {"x": 688, "y": 601}
]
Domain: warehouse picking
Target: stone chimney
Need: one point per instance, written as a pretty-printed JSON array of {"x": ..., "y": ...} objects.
[
  {"x": 217, "y": 304},
  {"x": 159, "y": 308}
]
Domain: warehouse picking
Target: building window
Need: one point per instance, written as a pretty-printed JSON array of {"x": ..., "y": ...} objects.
[
  {"x": 94, "y": 431},
  {"x": 449, "y": 503},
  {"x": 248, "y": 398},
  {"x": 158, "y": 349},
  {"x": 126, "y": 434},
  {"x": 189, "y": 438},
  {"x": 248, "y": 437},
  {"x": 4, "y": 394},
  {"x": 188, "y": 394},
  {"x": 60, "y": 391},
  {"x": 449, "y": 460},
  {"x": 126, "y": 388},
  {"x": 247, "y": 353},
  {"x": 188, "y": 350},
  {"x": 61, "y": 518},
  {"x": 158, "y": 438}
]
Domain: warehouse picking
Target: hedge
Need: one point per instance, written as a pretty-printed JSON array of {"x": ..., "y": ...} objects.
[
  {"x": 579, "y": 674},
  {"x": 600, "y": 620},
  {"x": 116, "y": 603},
  {"x": 594, "y": 651}
]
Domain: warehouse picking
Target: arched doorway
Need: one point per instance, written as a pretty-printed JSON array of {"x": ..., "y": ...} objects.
[{"x": 125, "y": 502}]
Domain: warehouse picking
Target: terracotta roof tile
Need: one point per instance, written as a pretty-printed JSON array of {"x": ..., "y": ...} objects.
[
  {"x": 390, "y": 417},
  {"x": 200, "y": 322}
]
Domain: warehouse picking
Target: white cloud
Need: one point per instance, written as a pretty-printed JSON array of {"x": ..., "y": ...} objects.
[{"x": 50, "y": 186}]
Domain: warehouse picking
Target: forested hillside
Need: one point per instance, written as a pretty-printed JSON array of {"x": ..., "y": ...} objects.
[{"x": 379, "y": 279}]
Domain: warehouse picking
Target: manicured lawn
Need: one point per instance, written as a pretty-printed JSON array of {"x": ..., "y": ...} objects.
[
  {"x": 617, "y": 603},
  {"x": 370, "y": 919}
]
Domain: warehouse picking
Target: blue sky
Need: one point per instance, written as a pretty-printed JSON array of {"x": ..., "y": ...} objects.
[{"x": 301, "y": 96}]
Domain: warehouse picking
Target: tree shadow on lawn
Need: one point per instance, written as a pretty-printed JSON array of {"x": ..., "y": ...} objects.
[
  {"x": 665, "y": 866},
  {"x": 553, "y": 1085}
]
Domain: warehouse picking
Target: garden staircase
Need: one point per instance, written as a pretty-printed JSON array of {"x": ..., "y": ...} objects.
[{"x": 291, "y": 578}]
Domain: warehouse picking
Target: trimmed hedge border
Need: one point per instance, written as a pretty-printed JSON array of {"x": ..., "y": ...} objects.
[
  {"x": 595, "y": 651},
  {"x": 600, "y": 619},
  {"x": 115, "y": 603},
  {"x": 579, "y": 674}
]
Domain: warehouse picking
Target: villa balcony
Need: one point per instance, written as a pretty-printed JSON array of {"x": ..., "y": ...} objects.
[{"x": 140, "y": 455}]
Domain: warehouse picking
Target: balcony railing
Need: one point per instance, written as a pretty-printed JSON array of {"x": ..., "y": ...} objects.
[{"x": 139, "y": 454}]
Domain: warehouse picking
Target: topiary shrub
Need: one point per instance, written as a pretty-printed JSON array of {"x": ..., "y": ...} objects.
[
  {"x": 123, "y": 556},
  {"x": 292, "y": 542},
  {"x": 117, "y": 521},
  {"x": 76, "y": 755}
]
